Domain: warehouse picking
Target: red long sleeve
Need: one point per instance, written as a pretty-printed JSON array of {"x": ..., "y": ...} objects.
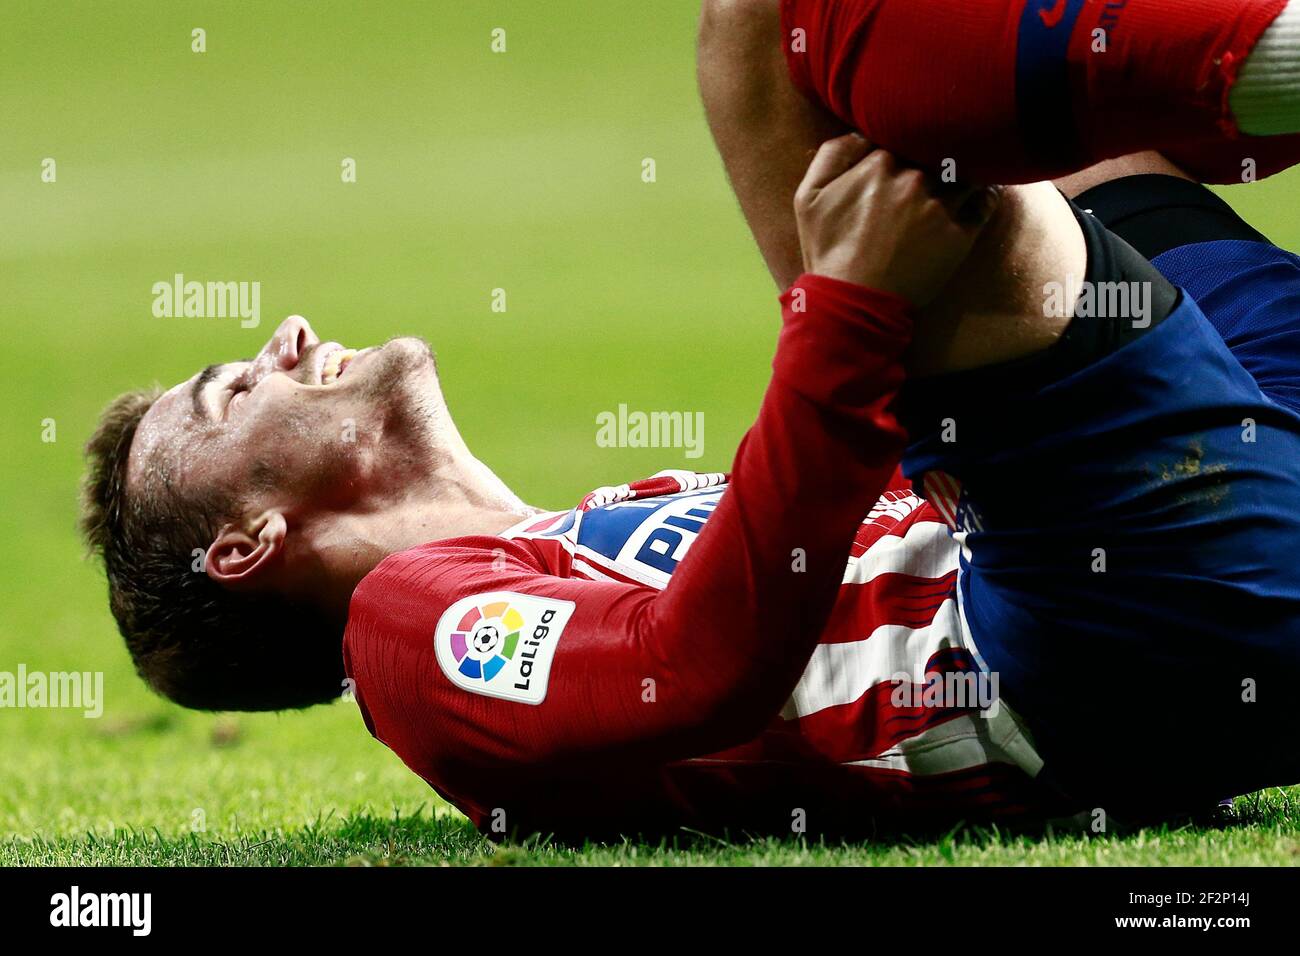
[
  {"x": 762, "y": 578},
  {"x": 640, "y": 676}
]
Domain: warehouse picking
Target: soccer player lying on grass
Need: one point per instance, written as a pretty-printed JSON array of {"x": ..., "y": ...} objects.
[
  {"x": 1108, "y": 533},
  {"x": 1068, "y": 475}
]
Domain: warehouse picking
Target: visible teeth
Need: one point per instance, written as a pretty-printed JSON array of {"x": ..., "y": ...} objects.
[{"x": 329, "y": 372}]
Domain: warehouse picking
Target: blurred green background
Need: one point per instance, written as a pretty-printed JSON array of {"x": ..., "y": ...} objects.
[{"x": 475, "y": 170}]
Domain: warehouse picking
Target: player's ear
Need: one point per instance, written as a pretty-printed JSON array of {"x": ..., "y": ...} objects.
[{"x": 239, "y": 558}]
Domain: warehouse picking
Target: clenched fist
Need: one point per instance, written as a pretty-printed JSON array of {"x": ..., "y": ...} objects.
[{"x": 866, "y": 218}]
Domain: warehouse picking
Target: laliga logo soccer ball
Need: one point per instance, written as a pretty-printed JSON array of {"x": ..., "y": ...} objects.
[{"x": 486, "y": 638}]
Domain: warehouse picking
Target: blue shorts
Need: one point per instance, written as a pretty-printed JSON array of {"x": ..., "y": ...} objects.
[{"x": 1131, "y": 537}]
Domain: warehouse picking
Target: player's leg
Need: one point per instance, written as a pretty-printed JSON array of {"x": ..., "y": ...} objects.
[
  {"x": 1129, "y": 514},
  {"x": 992, "y": 311},
  {"x": 1128, "y": 507},
  {"x": 765, "y": 130},
  {"x": 1020, "y": 90},
  {"x": 1124, "y": 494}
]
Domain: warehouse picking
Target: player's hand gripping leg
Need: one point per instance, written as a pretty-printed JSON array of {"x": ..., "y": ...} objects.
[{"x": 865, "y": 218}]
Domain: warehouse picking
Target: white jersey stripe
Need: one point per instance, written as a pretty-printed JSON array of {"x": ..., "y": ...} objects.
[
  {"x": 841, "y": 673},
  {"x": 925, "y": 551}
]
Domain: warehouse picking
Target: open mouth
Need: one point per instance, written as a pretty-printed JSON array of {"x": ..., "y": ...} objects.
[{"x": 335, "y": 364}]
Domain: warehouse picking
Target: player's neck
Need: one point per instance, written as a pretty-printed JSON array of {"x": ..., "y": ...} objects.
[
  {"x": 458, "y": 504},
  {"x": 463, "y": 497}
]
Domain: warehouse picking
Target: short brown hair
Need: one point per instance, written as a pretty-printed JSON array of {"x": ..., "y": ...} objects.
[{"x": 191, "y": 639}]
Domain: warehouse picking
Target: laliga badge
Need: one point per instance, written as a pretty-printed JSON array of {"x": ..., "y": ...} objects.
[{"x": 501, "y": 644}]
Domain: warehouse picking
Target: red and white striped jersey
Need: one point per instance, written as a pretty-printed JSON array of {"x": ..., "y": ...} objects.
[
  {"x": 897, "y": 620},
  {"x": 692, "y": 650},
  {"x": 877, "y": 718}
]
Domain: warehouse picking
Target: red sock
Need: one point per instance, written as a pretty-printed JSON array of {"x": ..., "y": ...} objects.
[{"x": 1024, "y": 90}]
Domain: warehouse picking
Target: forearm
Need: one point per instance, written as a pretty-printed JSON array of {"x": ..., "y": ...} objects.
[
  {"x": 764, "y": 128},
  {"x": 750, "y": 600}
]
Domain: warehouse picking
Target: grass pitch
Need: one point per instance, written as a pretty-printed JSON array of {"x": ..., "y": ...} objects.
[{"x": 476, "y": 171}]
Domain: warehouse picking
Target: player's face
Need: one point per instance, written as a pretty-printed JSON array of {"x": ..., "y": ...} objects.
[{"x": 303, "y": 424}]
